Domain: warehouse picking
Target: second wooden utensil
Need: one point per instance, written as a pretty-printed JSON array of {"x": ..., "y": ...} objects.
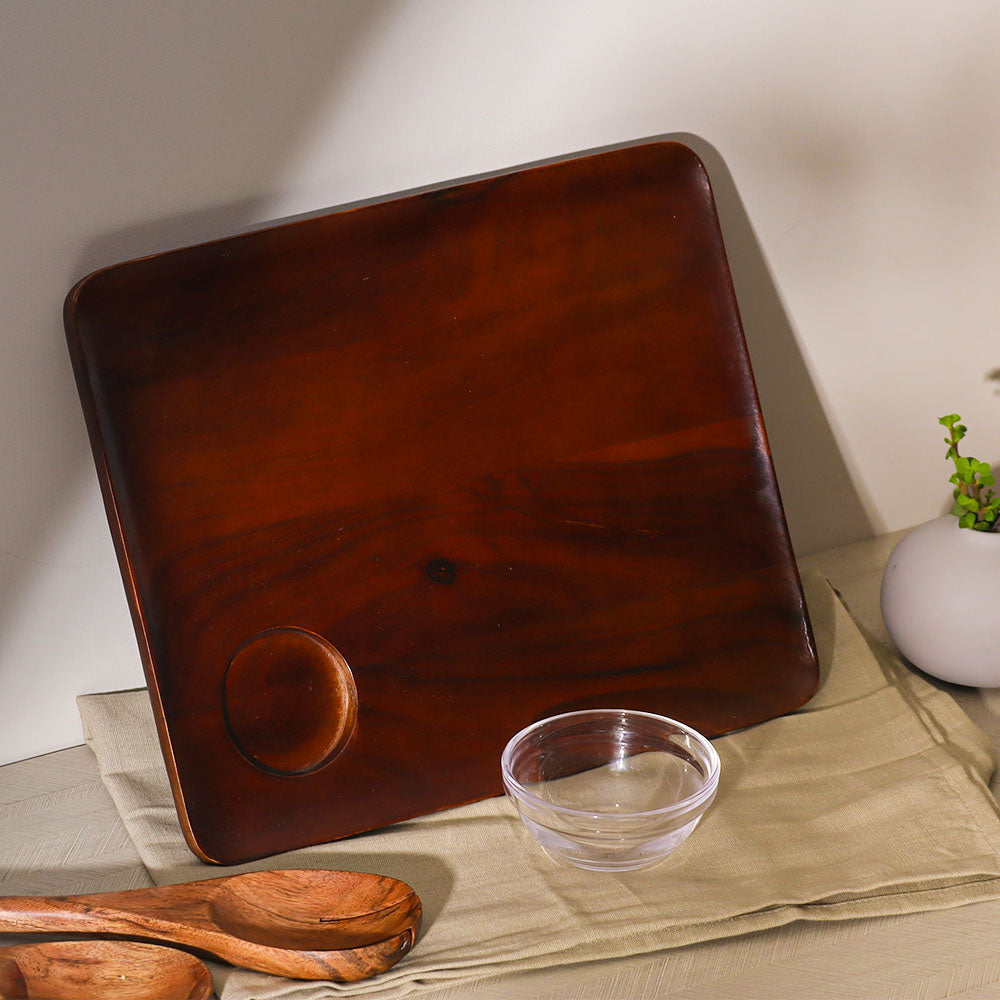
[
  {"x": 101, "y": 970},
  {"x": 303, "y": 924}
]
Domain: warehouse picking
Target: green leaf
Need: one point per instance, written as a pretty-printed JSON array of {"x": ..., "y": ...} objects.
[
  {"x": 958, "y": 510},
  {"x": 981, "y": 526},
  {"x": 949, "y": 419},
  {"x": 967, "y": 520}
]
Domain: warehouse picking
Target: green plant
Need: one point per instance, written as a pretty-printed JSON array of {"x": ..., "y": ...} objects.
[{"x": 976, "y": 505}]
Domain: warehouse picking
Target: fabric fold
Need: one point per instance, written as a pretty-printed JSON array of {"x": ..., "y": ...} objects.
[{"x": 872, "y": 800}]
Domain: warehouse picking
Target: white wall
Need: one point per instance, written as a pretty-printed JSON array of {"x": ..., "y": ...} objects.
[{"x": 855, "y": 150}]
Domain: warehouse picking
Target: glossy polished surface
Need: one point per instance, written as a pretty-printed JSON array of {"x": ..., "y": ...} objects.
[
  {"x": 498, "y": 444},
  {"x": 303, "y": 924},
  {"x": 290, "y": 701}
]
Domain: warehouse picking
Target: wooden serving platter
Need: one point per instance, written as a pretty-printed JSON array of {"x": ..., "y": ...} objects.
[{"x": 389, "y": 484}]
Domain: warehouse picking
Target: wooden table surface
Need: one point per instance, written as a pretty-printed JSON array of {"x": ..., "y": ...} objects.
[{"x": 60, "y": 833}]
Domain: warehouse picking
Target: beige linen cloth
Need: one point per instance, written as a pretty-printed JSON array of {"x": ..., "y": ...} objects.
[{"x": 872, "y": 800}]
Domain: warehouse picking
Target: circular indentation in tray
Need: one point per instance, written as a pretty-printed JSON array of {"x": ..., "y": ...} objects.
[{"x": 289, "y": 701}]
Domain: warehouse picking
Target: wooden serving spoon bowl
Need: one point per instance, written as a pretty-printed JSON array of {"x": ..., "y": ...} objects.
[
  {"x": 299, "y": 923},
  {"x": 101, "y": 970}
]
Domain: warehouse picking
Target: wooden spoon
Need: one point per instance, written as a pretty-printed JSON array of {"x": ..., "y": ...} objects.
[
  {"x": 304, "y": 924},
  {"x": 101, "y": 970}
]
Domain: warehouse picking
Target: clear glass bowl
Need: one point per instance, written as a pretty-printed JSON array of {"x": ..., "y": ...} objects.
[{"x": 610, "y": 789}]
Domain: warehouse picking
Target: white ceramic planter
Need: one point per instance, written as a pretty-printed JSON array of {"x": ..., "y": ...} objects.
[{"x": 940, "y": 596}]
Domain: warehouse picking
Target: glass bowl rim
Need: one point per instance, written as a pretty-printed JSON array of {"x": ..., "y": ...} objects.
[{"x": 519, "y": 791}]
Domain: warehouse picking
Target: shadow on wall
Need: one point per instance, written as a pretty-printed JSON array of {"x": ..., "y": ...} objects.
[
  {"x": 112, "y": 116},
  {"x": 822, "y": 506}
]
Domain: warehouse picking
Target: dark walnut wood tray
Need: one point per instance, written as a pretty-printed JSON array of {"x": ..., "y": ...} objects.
[{"x": 389, "y": 484}]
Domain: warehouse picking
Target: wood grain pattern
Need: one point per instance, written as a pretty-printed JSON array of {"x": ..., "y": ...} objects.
[
  {"x": 303, "y": 924},
  {"x": 499, "y": 445},
  {"x": 101, "y": 970}
]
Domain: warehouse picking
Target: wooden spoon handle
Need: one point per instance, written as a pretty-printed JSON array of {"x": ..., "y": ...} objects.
[{"x": 65, "y": 914}]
